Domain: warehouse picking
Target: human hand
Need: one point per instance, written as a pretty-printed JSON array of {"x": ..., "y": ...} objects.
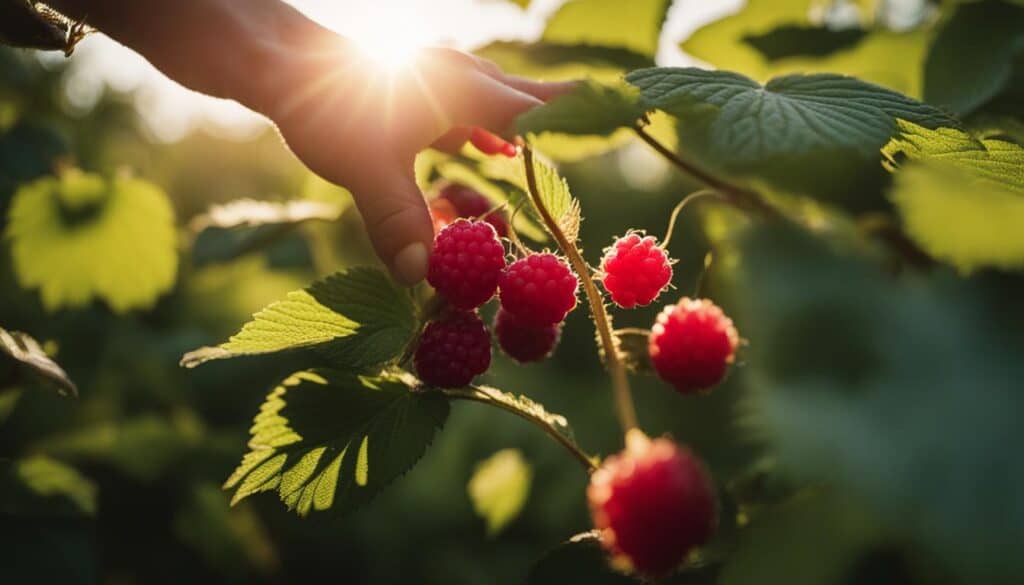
[{"x": 360, "y": 125}]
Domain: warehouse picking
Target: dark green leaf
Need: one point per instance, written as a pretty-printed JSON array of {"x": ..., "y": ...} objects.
[
  {"x": 25, "y": 350},
  {"x": 972, "y": 57},
  {"x": 328, "y": 439},
  {"x": 357, "y": 317},
  {"x": 806, "y": 133},
  {"x": 792, "y": 40}
]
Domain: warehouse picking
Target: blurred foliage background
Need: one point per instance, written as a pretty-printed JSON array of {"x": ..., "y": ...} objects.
[{"x": 869, "y": 435}]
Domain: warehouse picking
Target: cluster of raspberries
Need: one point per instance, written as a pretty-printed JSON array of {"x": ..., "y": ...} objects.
[{"x": 653, "y": 502}]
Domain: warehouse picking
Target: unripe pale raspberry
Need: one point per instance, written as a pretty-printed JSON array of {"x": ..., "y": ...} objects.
[
  {"x": 652, "y": 503},
  {"x": 453, "y": 350},
  {"x": 692, "y": 344},
  {"x": 470, "y": 204},
  {"x": 467, "y": 261},
  {"x": 524, "y": 342},
  {"x": 635, "y": 270},
  {"x": 539, "y": 289}
]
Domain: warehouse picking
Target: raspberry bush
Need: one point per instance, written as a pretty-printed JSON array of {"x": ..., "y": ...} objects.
[{"x": 812, "y": 377}]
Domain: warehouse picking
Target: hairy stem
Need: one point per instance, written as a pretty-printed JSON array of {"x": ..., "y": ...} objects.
[
  {"x": 616, "y": 369},
  {"x": 735, "y": 194},
  {"x": 480, "y": 394}
]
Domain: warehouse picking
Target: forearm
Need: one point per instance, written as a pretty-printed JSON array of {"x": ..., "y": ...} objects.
[{"x": 236, "y": 49}]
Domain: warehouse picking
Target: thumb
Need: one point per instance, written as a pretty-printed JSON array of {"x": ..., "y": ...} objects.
[{"x": 397, "y": 221}]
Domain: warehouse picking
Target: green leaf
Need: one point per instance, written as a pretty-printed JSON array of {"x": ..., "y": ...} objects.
[
  {"x": 855, "y": 378},
  {"x": 554, "y": 194},
  {"x": 26, "y": 351},
  {"x": 41, "y": 486},
  {"x": 806, "y": 133},
  {"x": 551, "y": 61},
  {"x": 329, "y": 439},
  {"x": 81, "y": 236},
  {"x": 972, "y": 57},
  {"x": 635, "y": 25},
  {"x": 357, "y": 317},
  {"x": 961, "y": 198},
  {"x": 755, "y": 41},
  {"x": 791, "y": 40},
  {"x": 582, "y": 560},
  {"x": 499, "y": 488},
  {"x": 590, "y": 108}
]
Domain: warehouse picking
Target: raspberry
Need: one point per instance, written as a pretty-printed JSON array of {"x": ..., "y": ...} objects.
[
  {"x": 466, "y": 202},
  {"x": 652, "y": 503},
  {"x": 539, "y": 289},
  {"x": 692, "y": 344},
  {"x": 467, "y": 261},
  {"x": 453, "y": 350},
  {"x": 635, "y": 270},
  {"x": 491, "y": 144},
  {"x": 524, "y": 342}
]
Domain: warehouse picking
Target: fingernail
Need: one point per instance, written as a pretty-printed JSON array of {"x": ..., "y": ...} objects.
[{"x": 410, "y": 264}]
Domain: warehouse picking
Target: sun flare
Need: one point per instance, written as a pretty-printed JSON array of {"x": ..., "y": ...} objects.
[{"x": 390, "y": 40}]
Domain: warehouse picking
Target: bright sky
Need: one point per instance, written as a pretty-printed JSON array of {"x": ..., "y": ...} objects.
[{"x": 169, "y": 111}]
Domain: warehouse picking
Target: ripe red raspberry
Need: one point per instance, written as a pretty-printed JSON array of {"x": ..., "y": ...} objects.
[
  {"x": 466, "y": 263},
  {"x": 692, "y": 344},
  {"x": 636, "y": 270},
  {"x": 453, "y": 350},
  {"x": 652, "y": 503},
  {"x": 466, "y": 202},
  {"x": 491, "y": 144},
  {"x": 539, "y": 289},
  {"x": 524, "y": 342}
]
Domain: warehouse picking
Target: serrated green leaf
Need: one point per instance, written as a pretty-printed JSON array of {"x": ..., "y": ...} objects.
[
  {"x": 590, "y": 108},
  {"x": 634, "y": 25},
  {"x": 25, "y": 350},
  {"x": 854, "y": 377},
  {"x": 357, "y": 317},
  {"x": 961, "y": 197},
  {"x": 326, "y": 439},
  {"x": 41, "y": 486},
  {"x": 806, "y": 133},
  {"x": 81, "y": 236},
  {"x": 972, "y": 57},
  {"x": 554, "y": 194},
  {"x": 499, "y": 488}
]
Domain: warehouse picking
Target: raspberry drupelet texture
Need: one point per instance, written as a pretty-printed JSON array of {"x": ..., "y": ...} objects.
[
  {"x": 467, "y": 261},
  {"x": 524, "y": 342},
  {"x": 652, "y": 503},
  {"x": 460, "y": 201},
  {"x": 635, "y": 270},
  {"x": 539, "y": 289},
  {"x": 453, "y": 350},
  {"x": 692, "y": 344}
]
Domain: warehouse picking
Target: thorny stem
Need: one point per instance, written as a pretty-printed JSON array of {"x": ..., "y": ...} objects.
[
  {"x": 679, "y": 207},
  {"x": 616, "y": 369},
  {"x": 475, "y": 394},
  {"x": 739, "y": 196}
]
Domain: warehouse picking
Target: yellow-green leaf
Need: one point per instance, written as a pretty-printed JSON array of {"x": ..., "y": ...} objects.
[
  {"x": 81, "y": 236},
  {"x": 499, "y": 488}
]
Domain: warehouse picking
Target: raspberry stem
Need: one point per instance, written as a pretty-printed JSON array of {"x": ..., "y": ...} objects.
[
  {"x": 679, "y": 208},
  {"x": 483, "y": 395},
  {"x": 738, "y": 196},
  {"x": 602, "y": 322}
]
